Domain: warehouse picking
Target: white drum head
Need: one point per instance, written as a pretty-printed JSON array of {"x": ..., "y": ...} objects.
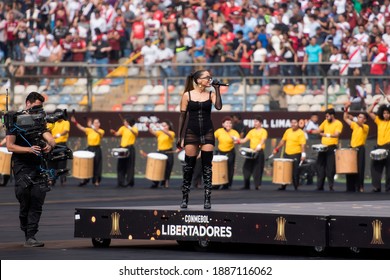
[
  {"x": 119, "y": 150},
  {"x": 218, "y": 158},
  {"x": 4, "y": 150},
  {"x": 157, "y": 156},
  {"x": 379, "y": 151},
  {"x": 83, "y": 154},
  {"x": 247, "y": 149},
  {"x": 283, "y": 159},
  {"x": 181, "y": 155}
]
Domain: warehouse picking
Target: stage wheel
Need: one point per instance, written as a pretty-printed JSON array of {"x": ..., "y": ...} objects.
[
  {"x": 101, "y": 242},
  {"x": 203, "y": 244},
  {"x": 319, "y": 249},
  {"x": 355, "y": 250}
]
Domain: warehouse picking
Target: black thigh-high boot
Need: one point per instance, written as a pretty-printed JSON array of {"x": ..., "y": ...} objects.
[
  {"x": 207, "y": 158},
  {"x": 188, "y": 170}
]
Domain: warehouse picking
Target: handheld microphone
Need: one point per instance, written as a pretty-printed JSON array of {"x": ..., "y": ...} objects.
[{"x": 218, "y": 83}]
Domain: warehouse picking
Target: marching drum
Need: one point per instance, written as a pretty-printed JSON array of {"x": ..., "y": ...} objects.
[
  {"x": 155, "y": 166},
  {"x": 319, "y": 148},
  {"x": 120, "y": 153},
  {"x": 82, "y": 166},
  {"x": 346, "y": 161},
  {"x": 5, "y": 161},
  {"x": 182, "y": 157},
  {"x": 379, "y": 154},
  {"x": 248, "y": 153},
  {"x": 220, "y": 170},
  {"x": 282, "y": 171}
]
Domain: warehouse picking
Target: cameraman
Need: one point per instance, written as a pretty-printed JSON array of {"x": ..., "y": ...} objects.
[{"x": 26, "y": 163}]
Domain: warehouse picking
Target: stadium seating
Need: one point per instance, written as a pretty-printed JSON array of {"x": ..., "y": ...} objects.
[
  {"x": 296, "y": 99},
  {"x": 307, "y": 99},
  {"x": 19, "y": 89},
  {"x": 289, "y": 89},
  {"x": 299, "y": 89},
  {"x": 303, "y": 108},
  {"x": 315, "y": 108},
  {"x": 258, "y": 108}
]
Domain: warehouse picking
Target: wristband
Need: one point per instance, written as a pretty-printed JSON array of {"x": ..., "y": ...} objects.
[
  {"x": 58, "y": 135},
  {"x": 129, "y": 127},
  {"x": 75, "y": 122},
  {"x": 327, "y": 135},
  {"x": 238, "y": 141},
  {"x": 276, "y": 150},
  {"x": 355, "y": 119},
  {"x": 303, "y": 154},
  {"x": 258, "y": 147},
  {"x": 92, "y": 126}
]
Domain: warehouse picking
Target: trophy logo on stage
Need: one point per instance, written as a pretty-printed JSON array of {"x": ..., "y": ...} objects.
[
  {"x": 377, "y": 232},
  {"x": 280, "y": 232},
  {"x": 115, "y": 229}
]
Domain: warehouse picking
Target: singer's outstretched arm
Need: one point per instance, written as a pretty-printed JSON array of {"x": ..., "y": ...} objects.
[{"x": 217, "y": 98}]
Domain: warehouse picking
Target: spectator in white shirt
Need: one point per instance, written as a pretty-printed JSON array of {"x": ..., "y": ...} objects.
[
  {"x": 340, "y": 6},
  {"x": 30, "y": 57},
  {"x": 334, "y": 69},
  {"x": 149, "y": 53},
  {"x": 97, "y": 21},
  {"x": 192, "y": 24},
  {"x": 343, "y": 69},
  {"x": 164, "y": 57}
]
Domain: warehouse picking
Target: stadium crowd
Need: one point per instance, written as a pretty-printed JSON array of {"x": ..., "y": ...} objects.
[{"x": 316, "y": 37}]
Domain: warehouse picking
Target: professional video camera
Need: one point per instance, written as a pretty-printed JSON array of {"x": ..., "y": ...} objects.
[
  {"x": 32, "y": 120},
  {"x": 31, "y": 124}
]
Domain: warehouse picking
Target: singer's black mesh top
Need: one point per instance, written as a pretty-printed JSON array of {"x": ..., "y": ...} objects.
[{"x": 200, "y": 128}]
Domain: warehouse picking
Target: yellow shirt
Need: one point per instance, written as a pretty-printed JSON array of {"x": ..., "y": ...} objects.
[
  {"x": 256, "y": 136},
  {"x": 331, "y": 128},
  {"x": 294, "y": 141},
  {"x": 128, "y": 137},
  {"x": 225, "y": 140},
  {"x": 383, "y": 131},
  {"x": 164, "y": 142},
  {"x": 58, "y": 128},
  {"x": 94, "y": 138},
  {"x": 359, "y": 134}
]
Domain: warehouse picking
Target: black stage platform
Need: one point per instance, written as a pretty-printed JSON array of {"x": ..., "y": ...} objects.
[{"x": 353, "y": 224}]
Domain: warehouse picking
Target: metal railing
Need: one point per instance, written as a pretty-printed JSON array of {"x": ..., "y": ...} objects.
[{"x": 131, "y": 71}]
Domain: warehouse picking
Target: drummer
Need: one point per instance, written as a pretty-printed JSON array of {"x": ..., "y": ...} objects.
[
  {"x": 126, "y": 166},
  {"x": 355, "y": 182},
  {"x": 256, "y": 137},
  {"x": 226, "y": 137},
  {"x": 60, "y": 131},
  {"x": 165, "y": 141},
  {"x": 94, "y": 138},
  {"x": 382, "y": 120},
  {"x": 295, "y": 141},
  {"x": 330, "y": 130}
]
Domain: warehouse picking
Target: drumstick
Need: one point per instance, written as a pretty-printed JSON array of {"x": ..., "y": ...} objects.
[
  {"x": 143, "y": 154},
  {"x": 120, "y": 116},
  {"x": 271, "y": 156}
]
